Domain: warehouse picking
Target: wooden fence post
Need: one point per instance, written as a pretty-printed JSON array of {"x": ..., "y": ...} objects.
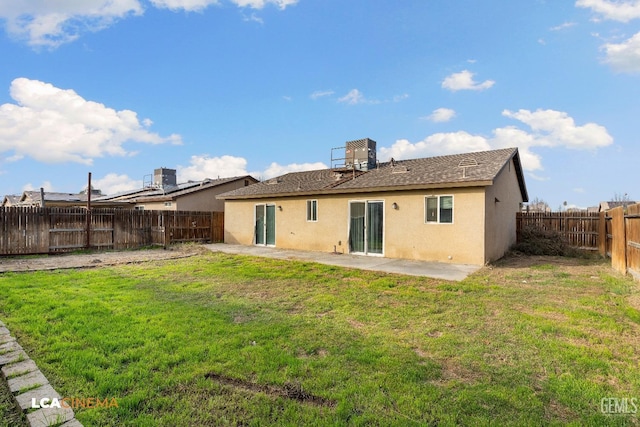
[
  {"x": 602, "y": 234},
  {"x": 167, "y": 232},
  {"x": 632, "y": 237},
  {"x": 619, "y": 244}
]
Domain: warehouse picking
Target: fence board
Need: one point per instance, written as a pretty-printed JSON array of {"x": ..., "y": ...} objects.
[
  {"x": 31, "y": 230},
  {"x": 632, "y": 234},
  {"x": 580, "y": 229},
  {"x": 618, "y": 242}
]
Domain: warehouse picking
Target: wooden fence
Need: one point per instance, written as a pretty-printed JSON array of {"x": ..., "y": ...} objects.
[
  {"x": 614, "y": 233},
  {"x": 621, "y": 239},
  {"x": 52, "y": 230},
  {"x": 580, "y": 229}
]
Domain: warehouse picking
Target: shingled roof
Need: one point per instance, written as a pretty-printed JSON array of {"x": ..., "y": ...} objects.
[
  {"x": 154, "y": 194},
  {"x": 458, "y": 170}
]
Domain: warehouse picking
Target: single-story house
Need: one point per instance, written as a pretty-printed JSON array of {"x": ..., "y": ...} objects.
[
  {"x": 53, "y": 199},
  {"x": 167, "y": 194},
  {"x": 10, "y": 200},
  {"x": 56, "y": 199},
  {"x": 456, "y": 208}
]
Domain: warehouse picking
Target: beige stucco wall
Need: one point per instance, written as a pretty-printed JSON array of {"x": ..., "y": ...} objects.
[
  {"x": 501, "y": 216},
  {"x": 405, "y": 233}
]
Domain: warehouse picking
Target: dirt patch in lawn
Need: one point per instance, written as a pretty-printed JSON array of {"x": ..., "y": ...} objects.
[
  {"x": 96, "y": 259},
  {"x": 288, "y": 391},
  {"x": 532, "y": 268}
]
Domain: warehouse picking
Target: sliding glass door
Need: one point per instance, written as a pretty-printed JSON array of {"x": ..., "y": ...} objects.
[
  {"x": 375, "y": 217},
  {"x": 265, "y": 228},
  {"x": 366, "y": 227}
]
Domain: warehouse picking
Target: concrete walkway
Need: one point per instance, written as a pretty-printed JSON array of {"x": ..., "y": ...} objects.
[{"x": 438, "y": 270}]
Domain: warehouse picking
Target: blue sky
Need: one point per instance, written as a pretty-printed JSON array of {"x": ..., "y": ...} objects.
[{"x": 229, "y": 87}]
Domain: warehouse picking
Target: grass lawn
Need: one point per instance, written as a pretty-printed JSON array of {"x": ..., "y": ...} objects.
[{"x": 220, "y": 339}]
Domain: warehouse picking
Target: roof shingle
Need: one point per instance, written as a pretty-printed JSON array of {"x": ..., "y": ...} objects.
[{"x": 479, "y": 168}]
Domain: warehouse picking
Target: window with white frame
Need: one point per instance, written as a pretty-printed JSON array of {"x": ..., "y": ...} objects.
[
  {"x": 312, "y": 210},
  {"x": 438, "y": 209}
]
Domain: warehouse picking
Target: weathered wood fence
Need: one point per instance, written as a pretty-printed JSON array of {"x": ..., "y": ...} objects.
[
  {"x": 52, "y": 230},
  {"x": 614, "y": 233},
  {"x": 579, "y": 229},
  {"x": 620, "y": 240}
]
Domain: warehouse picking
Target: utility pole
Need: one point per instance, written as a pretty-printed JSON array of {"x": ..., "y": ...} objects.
[{"x": 89, "y": 211}]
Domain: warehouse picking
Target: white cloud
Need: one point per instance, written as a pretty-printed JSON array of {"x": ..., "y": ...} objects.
[
  {"x": 548, "y": 128},
  {"x": 563, "y": 26},
  {"x": 555, "y": 128},
  {"x": 276, "y": 169},
  {"x": 54, "y": 125},
  {"x": 619, "y": 10},
  {"x": 187, "y": 5},
  {"x": 197, "y": 5},
  {"x": 398, "y": 98},
  {"x": 114, "y": 183},
  {"x": 259, "y": 4},
  {"x": 53, "y": 23},
  {"x": 353, "y": 97},
  {"x": 464, "y": 81},
  {"x": 624, "y": 57},
  {"x": 435, "y": 145},
  {"x": 204, "y": 166},
  {"x": 253, "y": 18},
  {"x": 441, "y": 115},
  {"x": 46, "y": 186},
  {"x": 537, "y": 177},
  {"x": 321, "y": 94}
]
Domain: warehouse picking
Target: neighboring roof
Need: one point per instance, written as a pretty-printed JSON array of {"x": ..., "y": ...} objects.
[
  {"x": 153, "y": 194},
  {"x": 11, "y": 199},
  {"x": 458, "y": 170},
  {"x": 605, "y": 206},
  {"x": 34, "y": 197}
]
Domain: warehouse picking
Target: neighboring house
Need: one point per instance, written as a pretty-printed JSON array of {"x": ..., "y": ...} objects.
[
  {"x": 605, "y": 206},
  {"x": 458, "y": 208},
  {"x": 51, "y": 199},
  {"x": 11, "y": 200},
  {"x": 54, "y": 199},
  {"x": 167, "y": 194}
]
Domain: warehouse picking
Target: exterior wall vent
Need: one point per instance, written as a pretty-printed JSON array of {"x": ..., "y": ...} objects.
[
  {"x": 465, "y": 163},
  {"x": 399, "y": 169}
]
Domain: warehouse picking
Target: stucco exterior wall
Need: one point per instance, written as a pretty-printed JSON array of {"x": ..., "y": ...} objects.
[
  {"x": 501, "y": 215},
  {"x": 406, "y": 235}
]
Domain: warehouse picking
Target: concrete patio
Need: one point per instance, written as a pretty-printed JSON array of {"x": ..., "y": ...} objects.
[{"x": 437, "y": 270}]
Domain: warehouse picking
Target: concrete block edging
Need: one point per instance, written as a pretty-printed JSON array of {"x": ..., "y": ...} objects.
[{"x": 21, "y": 373}]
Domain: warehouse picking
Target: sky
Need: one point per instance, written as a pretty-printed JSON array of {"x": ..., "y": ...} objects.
[{"x": 217, "y": 88}]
